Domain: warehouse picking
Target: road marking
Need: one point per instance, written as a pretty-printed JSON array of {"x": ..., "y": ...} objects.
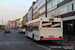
[
  {"x": 14, "y": 43},
  {"x": 16, "y": 31},
  {"x": 64, "y": 43},
  {"x": 9, "y": 35},
  {"x": 68, "y": 44},
  {"x": 1, "y": 43},
  {"x": 13, "y": 36},
  {"x": 7, "y": 43},
  {"x": 43, "y": 47},
  {"x": 21, "y": 43},
  {"x": 71, "y": 43}
]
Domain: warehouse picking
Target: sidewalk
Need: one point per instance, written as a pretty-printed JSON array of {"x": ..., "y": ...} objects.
[
  {"x": 65, "y": 37},
  {"x": 66, "y": 42}
]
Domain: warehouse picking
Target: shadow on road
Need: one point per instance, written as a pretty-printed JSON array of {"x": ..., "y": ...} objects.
[{"x": 43, "y": 42}]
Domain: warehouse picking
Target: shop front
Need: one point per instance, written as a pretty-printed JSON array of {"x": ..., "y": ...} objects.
[{"x": 69, "y": 25}]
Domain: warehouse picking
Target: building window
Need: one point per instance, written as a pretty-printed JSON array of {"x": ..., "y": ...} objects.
[
  {"x": 50, "y": 14},
  {"x": 47, "y": 15},
  {"x": 74, "y": 6},
  {"x": 53, "y": 13},
  {"x": 60, "y": 1},
  {"x": 53, "y": 4},
  {"x": 65, "y": 9},
  {"x": 43, "y": 1},
  {"x": 70, "y": 7},
  {"x": 56, "y": 2},
  {"x": 50, "y": 5},
  {"x": 60, "y": 11},
  {"x": 56, "y": 12}
]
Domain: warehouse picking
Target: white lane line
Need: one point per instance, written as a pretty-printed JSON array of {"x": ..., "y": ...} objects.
[
  {"x": 21, "y": 43},
  {"x": 1, "y": 43},
  {"x": 7, "y": 43},
  {"x": 16, "y": 31},
  {"x": 14, "y": 43},
  {"x": 43, "y": 47},
  {"x": 13, "y": 36}
]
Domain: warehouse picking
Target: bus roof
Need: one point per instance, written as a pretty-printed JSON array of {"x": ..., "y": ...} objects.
[{"x": 36, "y": 20}]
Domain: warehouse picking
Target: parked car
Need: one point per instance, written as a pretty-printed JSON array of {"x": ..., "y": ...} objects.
[{"x": 7, "y": 31}]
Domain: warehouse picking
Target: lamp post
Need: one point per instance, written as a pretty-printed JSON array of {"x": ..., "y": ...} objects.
[{"x": 45, "y": 8}]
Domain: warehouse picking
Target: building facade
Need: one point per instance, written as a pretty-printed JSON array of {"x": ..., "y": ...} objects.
[
  {"x": 13, "y": 23},
  {"x": 64, "y": 9},
  {"x": 26, "y": 18},
  {"x": 8, "y": 24},
  {"x": 30, "y": 14},
  {"x": 23, "y": 20},
  {"x": 39, "y": 9},
  {"x": 17, "y": 22}
]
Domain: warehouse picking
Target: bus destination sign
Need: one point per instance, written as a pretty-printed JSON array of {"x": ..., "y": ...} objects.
[{"x": 51, "y": 19}]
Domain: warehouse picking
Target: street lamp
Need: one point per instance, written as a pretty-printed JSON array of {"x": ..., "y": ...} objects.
[{"x": 45, "y": 8}]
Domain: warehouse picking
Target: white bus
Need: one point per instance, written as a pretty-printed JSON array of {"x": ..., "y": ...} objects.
[{"x": 45, "y": 29}]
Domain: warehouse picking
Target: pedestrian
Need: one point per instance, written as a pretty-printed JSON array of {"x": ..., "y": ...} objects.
[{"x": 69, "y": 34}]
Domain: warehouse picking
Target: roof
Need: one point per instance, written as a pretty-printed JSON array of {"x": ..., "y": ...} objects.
[{"x": 34, "y": 21}]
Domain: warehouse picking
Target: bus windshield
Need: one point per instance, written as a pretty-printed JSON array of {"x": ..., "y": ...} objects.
[{"x": 51, "y": 24}]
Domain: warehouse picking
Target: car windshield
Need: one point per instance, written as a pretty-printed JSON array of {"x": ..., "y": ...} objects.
[{"x": 7, "y": 29}]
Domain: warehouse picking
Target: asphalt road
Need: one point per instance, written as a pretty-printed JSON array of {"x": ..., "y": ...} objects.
[{"x": 17, "y": 41}]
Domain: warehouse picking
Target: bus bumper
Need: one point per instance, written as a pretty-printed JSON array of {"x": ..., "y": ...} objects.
[{"x": 51, "y": 38}]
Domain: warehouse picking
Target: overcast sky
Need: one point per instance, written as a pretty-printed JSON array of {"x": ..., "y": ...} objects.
[{"x": 13, "y": 9}]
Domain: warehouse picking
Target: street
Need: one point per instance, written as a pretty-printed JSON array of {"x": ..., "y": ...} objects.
[
  {"x": 37, "y": 25},
  {"x": 17, "y": 41}
]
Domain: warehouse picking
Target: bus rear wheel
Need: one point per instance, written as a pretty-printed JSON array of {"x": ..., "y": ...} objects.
[{"x": 33, "y": 37}]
